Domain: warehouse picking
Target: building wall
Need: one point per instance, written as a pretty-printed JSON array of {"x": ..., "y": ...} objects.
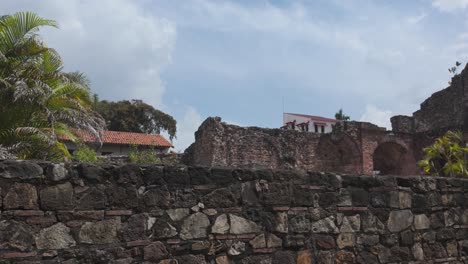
[
  {"x": 116, "y": 150},
  {"x": 300, "y": 119},
  {"x": 81, "y": 213}
]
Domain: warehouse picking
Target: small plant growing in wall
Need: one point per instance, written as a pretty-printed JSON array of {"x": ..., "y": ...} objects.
[
  {"x": 85, "y": 154},
  {"x": 446, "y": 157},
  {"x": 147, "y": 156}
]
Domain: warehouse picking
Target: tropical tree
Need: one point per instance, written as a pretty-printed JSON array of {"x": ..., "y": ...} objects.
[
  {"x": 341, "y": 116},
  {"x": 446, "y": 157},
  {"x": 136, "y": 116},
  {"x": 38, "y": 101}
]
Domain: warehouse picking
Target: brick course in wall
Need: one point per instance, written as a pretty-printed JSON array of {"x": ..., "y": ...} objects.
[{"x": 82, "y": 213}]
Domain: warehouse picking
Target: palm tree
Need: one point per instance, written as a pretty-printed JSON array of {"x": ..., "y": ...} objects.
[
  {"x": 38, "y": 101},
  {"x": 446, "y": 157},
  {"x": 341, "y": 116}
]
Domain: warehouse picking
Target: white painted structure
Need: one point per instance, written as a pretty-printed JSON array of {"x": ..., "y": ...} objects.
[{"x": 308, "y": 123}]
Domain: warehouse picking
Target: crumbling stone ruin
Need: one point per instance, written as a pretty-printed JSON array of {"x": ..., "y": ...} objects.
[
  {"x": 83, "y": 213},
  {"x": 353, "y": 147}
]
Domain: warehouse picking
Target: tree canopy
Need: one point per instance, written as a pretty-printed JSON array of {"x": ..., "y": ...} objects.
[
  {"x": 136, "y": 116},
  {"x": 341, "y": 116},
  {"x": 39, "y": 101}
]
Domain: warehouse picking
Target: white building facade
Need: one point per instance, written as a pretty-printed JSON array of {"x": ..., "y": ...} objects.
[{"x": 308, "y": 123}]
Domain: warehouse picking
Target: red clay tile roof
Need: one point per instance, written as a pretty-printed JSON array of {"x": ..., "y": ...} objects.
[
  {"x": 124, "y": 138},
  {"x": 315, "y": 118}
]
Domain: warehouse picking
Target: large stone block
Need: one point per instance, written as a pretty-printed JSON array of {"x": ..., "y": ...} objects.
[
  {"x": 58, "y": 197},
  {"x": 399, "y": 220},
  {"x": 101, "y": 232},
  {"x": 194, "y": 226},
  {"x": 15, "y": 235},
  {"x": 21, "y": 196},
  {"x": 24, "y": 170},
  {"x": 155, "y": 251},
  {"x": 240, "y": 225},
  {"x": 55, "y": 237}
]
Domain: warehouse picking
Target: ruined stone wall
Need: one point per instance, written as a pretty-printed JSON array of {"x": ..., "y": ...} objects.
[
  {"x": 223, "y": 145},
  {"x": 79, "y": 213},
  {"x": 349, "y": 149},
  {"x": 443, "y": 110}
]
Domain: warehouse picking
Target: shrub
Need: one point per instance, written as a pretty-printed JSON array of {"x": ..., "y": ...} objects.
[
  {"x": 446, "y": 157},
  {"x": 147, "y": 156},
  {"x": 85, "y": 154}
]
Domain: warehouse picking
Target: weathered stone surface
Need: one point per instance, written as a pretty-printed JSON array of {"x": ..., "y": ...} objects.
[
  {"x": 304, "y": 257},
  {"x": 58, "y": 197},
  {"x": 283, "y": 257},
  {"x": 91, "y": 198},
  {"x": 135, "y": 227},
  {"x": 399, "y": 220},
  {"x": 221, "y": 225},
  {"x": 23, "y": 170},
  {"x": 220, "y": 198},
  {"x": 55, "y": 237},
  {"x": 368, "y": 240},
  {"x": 418, "y": 252},
  {"x": 249, "y": 194},
  {"x": 178, "y": 213},
  {"x": 326, "y": 225},
  {"x": 421, "y": 221},
  {"x": 56, "y": 172},
  {"x": 101, "y": 232},
  {"x": 222, "y": 260},
  {"x": 281, "y": 222},
  {"x": 155, "y": 251},
  {"x": 273, "y": 241},
  {"x": 21, "y": 196},
  {"x": 325, "y": 242},
  {"x": 343, "y": 257},
  {"x": 372, "y": 224},
  {"x": 300, "y": 224},
  {"x": 258, "y": 242},
  {"x": 240, "y": 225},
  {"x": 162, "y": 229},
  {"x": 237, "y": 248},
  {"x": 189, "y": 259},
  {"x": 351, "y": 224},
  {"x": 157, "y": 197},
  {"x": 15, "y": 235},
  {"x": 346, "y": 240},
  {"x": 194, "y": 226}
]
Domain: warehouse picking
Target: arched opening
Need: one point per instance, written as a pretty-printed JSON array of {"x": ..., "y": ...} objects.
[{"x": 389, "y": 158}]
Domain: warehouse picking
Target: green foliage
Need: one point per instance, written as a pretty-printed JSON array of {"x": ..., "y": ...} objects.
[
  {"x": 85, "y": 154},
  {"x": 38, "y": 101},
  {"x": 136, "y": 116},
  {"x": 147, "y": 156},
  {"x": 446, "y": 157},
  {"x": 341, "y": 116}
]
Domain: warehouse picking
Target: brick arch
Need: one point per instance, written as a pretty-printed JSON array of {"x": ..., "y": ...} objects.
[
  {"x": 339, "y": 153},
  {"x": 393, "y": 157}
]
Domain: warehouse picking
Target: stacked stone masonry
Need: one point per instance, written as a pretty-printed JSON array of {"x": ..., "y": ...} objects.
[{"x": 82, "y": 213}]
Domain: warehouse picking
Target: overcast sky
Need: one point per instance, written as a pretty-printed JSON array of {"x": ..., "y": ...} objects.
[{"x": 246, "y": 60}]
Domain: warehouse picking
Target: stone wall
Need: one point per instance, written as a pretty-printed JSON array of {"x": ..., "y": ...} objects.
[
  {"x": 80, "y": 213},
  {"x": 349, "y": 149},
  {"x": 443, "y": 110}
]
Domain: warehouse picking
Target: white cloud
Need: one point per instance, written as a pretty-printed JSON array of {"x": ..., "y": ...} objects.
[
  {"x": 417, "y": 19},
  {"x": 120, "y": 46},
  {"x": 377, "y": 116},
  {"x": 450, "y": 5},
  {"x": 186, "y": 129}
]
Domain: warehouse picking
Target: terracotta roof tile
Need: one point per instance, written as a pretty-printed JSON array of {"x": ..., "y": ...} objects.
[{"x": 125, "y": 138}]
